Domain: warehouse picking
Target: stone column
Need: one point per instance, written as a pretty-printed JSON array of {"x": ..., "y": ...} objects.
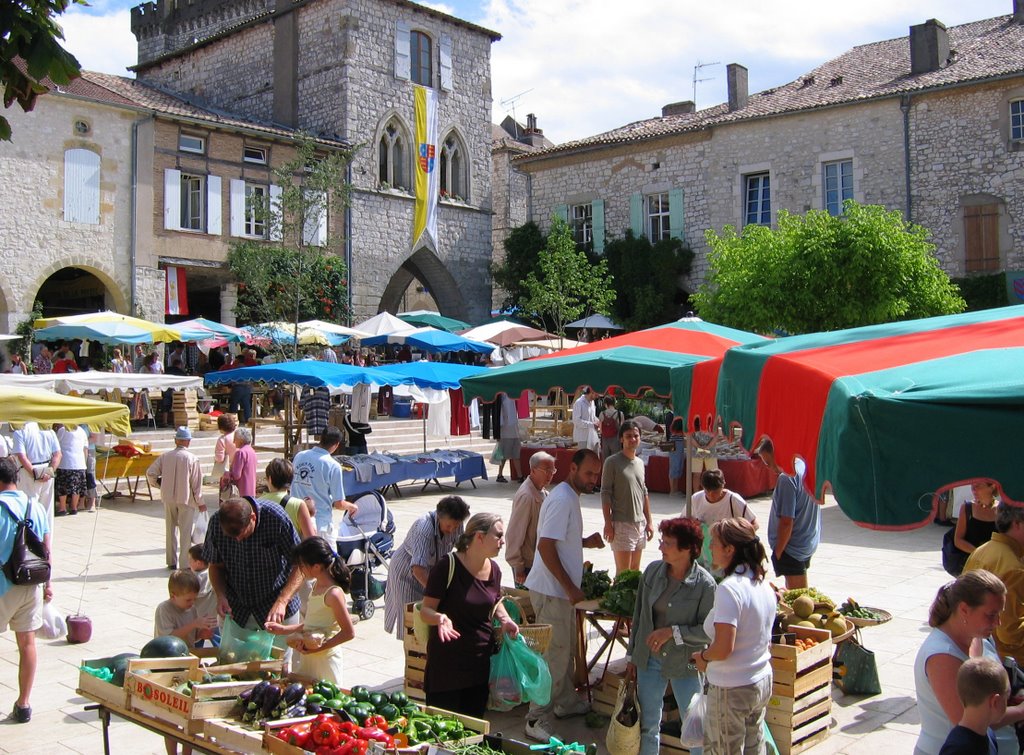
[{"x": 228, "y": 299}]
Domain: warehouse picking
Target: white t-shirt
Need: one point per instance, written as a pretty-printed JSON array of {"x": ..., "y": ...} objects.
[
  {"x": 5, "y": 447},
  {"x": 38, "y": 445},
  {"x": 750, "y": 607},
  {"x": 731, "y": 505},
  {"x": 73, "y": 442},
  {"x": 560, "y": 520}
]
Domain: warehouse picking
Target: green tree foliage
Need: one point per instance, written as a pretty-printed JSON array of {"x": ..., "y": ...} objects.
[
  {"x": 293, "y": 279},
  {"x": 818, "y": 272},
  {"x": 647, "y": 279},
  {"x": 565, "y": 285},
  {"x": 983, "y": 291},
  {"x": 522, "y": 249},
  {"x": 30, "y": 52}
]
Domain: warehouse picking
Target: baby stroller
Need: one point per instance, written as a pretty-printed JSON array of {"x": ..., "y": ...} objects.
[{"x": 366, "y": 540}]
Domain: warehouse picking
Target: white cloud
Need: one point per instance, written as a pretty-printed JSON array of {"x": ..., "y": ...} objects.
[
  {"x": 101, "y": 42},
  {"x": 593, "y": 65}
]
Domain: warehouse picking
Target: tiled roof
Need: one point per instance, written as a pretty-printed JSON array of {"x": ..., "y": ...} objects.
[
  {"x": 119, "y": 90},
  {"x": 978, "y": 50}
]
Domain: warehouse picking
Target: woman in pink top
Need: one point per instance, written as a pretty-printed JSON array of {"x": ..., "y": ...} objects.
[
  {"x": 243, "y": 466},
  {"x": 224, "y": 450}
]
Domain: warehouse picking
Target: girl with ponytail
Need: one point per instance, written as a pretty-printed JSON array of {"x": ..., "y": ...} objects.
[{"x": 327, "y": 624}]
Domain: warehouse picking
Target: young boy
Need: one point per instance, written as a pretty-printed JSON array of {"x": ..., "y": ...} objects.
[
  {"x": 206, "y": 600},
  {"x": 178, "y": 616},
  {"x": 983, "y": 689}
]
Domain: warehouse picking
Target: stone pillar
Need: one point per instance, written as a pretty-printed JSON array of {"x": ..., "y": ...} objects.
[{"x": 228, "y": 299}]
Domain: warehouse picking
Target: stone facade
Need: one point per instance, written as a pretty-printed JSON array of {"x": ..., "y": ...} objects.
[{"x": 328, "y": 66}]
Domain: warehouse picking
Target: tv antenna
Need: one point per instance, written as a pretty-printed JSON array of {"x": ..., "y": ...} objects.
[
  {"x": 696, "y": 70},
  {"x": 510, "y": 105}
]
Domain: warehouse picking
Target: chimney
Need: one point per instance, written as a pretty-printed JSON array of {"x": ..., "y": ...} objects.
[
  {"x": 737, "y": 78},
  {"x": 1018, "y": 11},
  {"x": 682, "y": 108},
  {"x": 531, "y": 123},
  {"x": 929, "y": 47}
]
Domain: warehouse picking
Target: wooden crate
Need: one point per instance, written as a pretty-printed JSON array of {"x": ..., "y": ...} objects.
[
  {"x": 800, "y": 709},
  {"x": 415, "y": 672},
  {"x": 789, "y": 711},
  {"x": 97, "y": 689},
  {"x": 229, "y": 734},
  {"x": 796, "y": 672},
  {"x": 791, "y": 741}
]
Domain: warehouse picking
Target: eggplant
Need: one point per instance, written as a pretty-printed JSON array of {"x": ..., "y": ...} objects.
[
  {"x": 257, "y": 692},
  {"x": 313, "y": 709},
  {"x": 295, "y": 711},
  {"x": 245, "y": 696},
  {"x": 293, "y": 693},
  {"x": 271, "y": 698}
]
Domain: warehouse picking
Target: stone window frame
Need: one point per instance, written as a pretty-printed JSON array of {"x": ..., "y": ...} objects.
[
  {"x": 660, "y": 215},
  {"x": 818, "y": 177},
  {"x": 416, "y": 63},
  {"x": 200, "y": 138},
  {"x": 581, "y": 223},
  {"x": 1004, "y": 242},
  {"x": 187, "y": 210},
  {"x": 454, "y": 178},
  {"x": 748, "y": 173},
  {"x": 386, "y": 161},
  {"x": 1016, "y": 122}
]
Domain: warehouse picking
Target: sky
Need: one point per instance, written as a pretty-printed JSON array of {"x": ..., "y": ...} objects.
[{"x": 587, "y": 66}]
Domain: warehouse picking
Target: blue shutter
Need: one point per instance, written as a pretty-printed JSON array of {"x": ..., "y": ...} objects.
[
  {"x": 597, "y": 218},
  {"x": 636, "y": 214},
  {"x": 562, "y": 211},
  {"x": 675, "y": 214}
]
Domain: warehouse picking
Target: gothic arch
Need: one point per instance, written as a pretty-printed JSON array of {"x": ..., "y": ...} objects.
[
  {"x": 455, "y": 165},
  {"x": 403, "y": 162},
  {"x": 114, "y": 293},
  {"x": 424, "y": 266}
]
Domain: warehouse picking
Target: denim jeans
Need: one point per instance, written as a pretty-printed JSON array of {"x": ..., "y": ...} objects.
[{"x": 650, "y": 690}]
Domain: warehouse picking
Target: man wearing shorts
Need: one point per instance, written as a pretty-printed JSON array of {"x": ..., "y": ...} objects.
[
  {"x": 624, "y": 501},
  {"x": 794, "y": 524},
  {"x": 21, "y": 606}
]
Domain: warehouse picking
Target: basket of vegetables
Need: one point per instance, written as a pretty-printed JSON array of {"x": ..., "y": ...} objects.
[{"x": 862, "y": 616}]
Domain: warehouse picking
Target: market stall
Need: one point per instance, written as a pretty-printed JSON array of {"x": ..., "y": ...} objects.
[
  {"x": 19, "y": 404},
  {"x": 362, "y": 476}
]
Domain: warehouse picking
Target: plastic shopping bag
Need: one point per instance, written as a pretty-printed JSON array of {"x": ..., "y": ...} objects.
[
  {"x": 200, "y": 525},
  {"x": 240, "y": 645},
  {"x": 505, "y": 692},
  {"x": 518, "y": 675},
  {"x": 623, "y": 736},
  {"x": 54, "y": 627},
  {"x": 692, "y": 734}
]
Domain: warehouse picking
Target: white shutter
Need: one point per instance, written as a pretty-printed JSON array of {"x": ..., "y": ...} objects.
[
  {"x": 314, "y": 225},
  {"x": 172, "y": 200},
  {"x": 213, "y": 206},
  {"x": 446, "y": 62},
  {"x": 81, "y": 186},
  {"x": 275, "y": 213},
  {"x": 237, "y": 208},
  {"x": 403, "y": 61}
]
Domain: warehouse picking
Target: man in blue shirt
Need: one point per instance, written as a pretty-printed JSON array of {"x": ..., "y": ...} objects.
[
  {"x": 21, "y": 606},
  {"x": 794, "y": 525},
  {"x": 318, "y": 477}
]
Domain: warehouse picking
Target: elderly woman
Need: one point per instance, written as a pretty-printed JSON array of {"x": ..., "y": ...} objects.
[
  {"x": 673, "y": 599},
  {"x": 738, "y": 661},
  {"x": 962, "y": 617},
  {"x": 463, "y": 590},
  {"x": 242, "y": 473},
  {"x": 430, "y": 538}
]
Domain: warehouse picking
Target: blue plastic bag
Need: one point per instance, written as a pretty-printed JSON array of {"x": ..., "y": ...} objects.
[{"x": 518, "y": 675}]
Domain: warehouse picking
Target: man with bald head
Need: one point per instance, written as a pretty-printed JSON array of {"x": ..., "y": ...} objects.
[{"x": 248, "y": 546}]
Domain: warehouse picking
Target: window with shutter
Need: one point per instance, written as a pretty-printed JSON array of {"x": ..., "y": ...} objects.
[
  {"x": 193, "y": 196},
  {"x": 445, "y": 49},
  {"x": 421, "y": 59},
  {"x": 757, "y": 200},
  {"x": 597, "y": 211},
  {"x": 172, "y": 200},
  {"x": 1017, "y": 120},
  {"x": 636, "y": 214},
  {"x": 314, "y": 222},
  {"x": 837, "y": 184},
  {"x": 981, "y": 238},
  {"x": 213, "y": 208},
  {"x": 81, "y": 186},
  {"x": 582, "y": 223},
  {"x": 658, "y": 225},
  {"x": 402, "y": 60}
]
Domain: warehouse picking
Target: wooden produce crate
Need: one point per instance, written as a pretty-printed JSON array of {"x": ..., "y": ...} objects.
[
  {"x": 415, "y": 659},
  {"x": 230, "y": 734},
  {"x": 800, "y": 709},
  {"x": 151, "y": 692},
  {"x": 796, "y": 671},
  {"x": 605, "y": 693},
  {"x": 97, "y": 689}
]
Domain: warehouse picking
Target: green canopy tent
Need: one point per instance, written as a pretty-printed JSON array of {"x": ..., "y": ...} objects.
[
  {"x": 887, "y": 415},
  {"x": 426, "y": 318}
]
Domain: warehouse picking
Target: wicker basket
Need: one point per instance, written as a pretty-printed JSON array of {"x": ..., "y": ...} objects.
[
  {"x": 537, "y": 636},
  {"x": 883, "y": 617}
]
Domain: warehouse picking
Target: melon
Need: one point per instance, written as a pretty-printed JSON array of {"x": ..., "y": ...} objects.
[
  {"x": 803, "y": 606},
  {"x": 165, "y": 647}
]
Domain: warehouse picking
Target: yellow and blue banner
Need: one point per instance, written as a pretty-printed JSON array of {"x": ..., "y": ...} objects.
[{"x": 424, "y": 225}]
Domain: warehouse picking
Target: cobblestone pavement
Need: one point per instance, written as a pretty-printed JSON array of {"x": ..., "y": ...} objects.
[{"x": 897, "y": 571}]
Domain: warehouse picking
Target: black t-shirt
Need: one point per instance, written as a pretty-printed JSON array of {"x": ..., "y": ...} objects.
[
  {"x": 964, "y": 741},
  {"x": 467, "y": 601}
]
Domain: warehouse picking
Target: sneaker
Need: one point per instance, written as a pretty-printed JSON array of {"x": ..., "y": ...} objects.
[
  {"x": 538, "y": 730},
  {"x": 22, "y": 715},
  {"x": 500, "y": 478},
  {"x": 578, "y": 707}
]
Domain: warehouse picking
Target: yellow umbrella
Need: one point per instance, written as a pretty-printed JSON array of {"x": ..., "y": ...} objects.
[
  {"x": 161, "y": 333},
  {"x": 45, "y": 407},
  {"x": 285, "y": 332}
]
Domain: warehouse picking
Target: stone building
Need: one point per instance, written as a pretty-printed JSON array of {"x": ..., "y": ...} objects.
[
  {"x": 347, "y": 69},
  {"x": 931, "y": 124},
  {"x": 110, "y": 181}
]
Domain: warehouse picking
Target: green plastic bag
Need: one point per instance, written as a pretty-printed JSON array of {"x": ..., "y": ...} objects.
[
  {"x": 518, "y": 675},
  {"x": 239, "y": 645}
]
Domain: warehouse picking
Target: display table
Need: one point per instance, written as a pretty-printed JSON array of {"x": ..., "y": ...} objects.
[
  {"x": 467, "y": 468},
  {"x": 588, "y": 615},
  {"x": 117, "y": 467},
  {"x": 105, "y": 710},
  {"x": 746, "y": 477}
]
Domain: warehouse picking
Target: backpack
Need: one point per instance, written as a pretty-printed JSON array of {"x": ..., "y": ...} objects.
[
  {"x": 29, "y": 563},
  {"x": 610, "y": 425}
]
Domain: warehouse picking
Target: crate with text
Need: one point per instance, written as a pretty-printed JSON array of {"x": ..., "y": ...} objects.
[{"x": 800, "y": 708}]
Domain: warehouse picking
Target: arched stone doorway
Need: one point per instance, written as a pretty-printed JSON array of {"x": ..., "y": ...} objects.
[
  {"x": 423, "y": 270},
  {"x": 75, "y": 290}
]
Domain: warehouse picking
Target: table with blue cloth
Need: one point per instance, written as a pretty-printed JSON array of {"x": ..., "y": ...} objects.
[{"x": 462, "y": 465}]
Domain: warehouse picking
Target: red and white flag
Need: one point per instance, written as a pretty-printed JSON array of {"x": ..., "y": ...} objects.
[{"x": 177, "y": 291}]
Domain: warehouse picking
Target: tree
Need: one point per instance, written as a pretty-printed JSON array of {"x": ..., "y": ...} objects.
[
  {"x": 647, "y": 279},
  {"x": 297, "y": 277},
  {"x": 817, "y": 272},
  {"x": 522, "y": 248},
  {"x": 30, "y": 52},
  {"x": 565, "y": 284}
]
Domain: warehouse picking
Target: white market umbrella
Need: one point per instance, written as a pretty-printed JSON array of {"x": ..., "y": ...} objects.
[
  {"x": 331, "y": 328},
  {"x": 601, "y": 322},
  {"x": 382, "y": 325}
]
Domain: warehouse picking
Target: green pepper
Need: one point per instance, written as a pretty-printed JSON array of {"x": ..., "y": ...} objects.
[{"x": 361, "y": 693}]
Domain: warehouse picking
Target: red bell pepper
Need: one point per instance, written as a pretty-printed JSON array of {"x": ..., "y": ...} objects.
[
  {"x": 298, "y": 734},
  {"x": 325, "y": 733},
  {"x": 375, "y": 734},
  {"x": 379, "y": 721}
]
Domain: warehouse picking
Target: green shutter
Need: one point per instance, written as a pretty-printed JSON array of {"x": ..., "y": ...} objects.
[
  {"x": 597, "y": 218},
  {"x": 675, "y": 214},
  {"x": 562, "y": 211},
  {"x": 636, "y": 214}
]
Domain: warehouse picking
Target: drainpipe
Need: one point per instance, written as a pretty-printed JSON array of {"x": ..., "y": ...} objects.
[
  {"x": 348, "y": 242},
  {"x": 133, "y": 199},
  {"x": 905, "y": 107}
]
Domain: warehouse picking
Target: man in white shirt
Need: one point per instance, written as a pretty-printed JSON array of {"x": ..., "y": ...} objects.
[
  {"x": 318, "y": 477},
  {"x": 554, "y": 584},
  {"x": 38, "y": 452},
  {"x": 584, "y": 421},
  {"x": 181, "y": 490}
]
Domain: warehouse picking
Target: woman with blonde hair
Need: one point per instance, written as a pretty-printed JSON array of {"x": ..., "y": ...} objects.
[
  {"x": 962, "y": 617},
  {"x": 463, "y": 591}
]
